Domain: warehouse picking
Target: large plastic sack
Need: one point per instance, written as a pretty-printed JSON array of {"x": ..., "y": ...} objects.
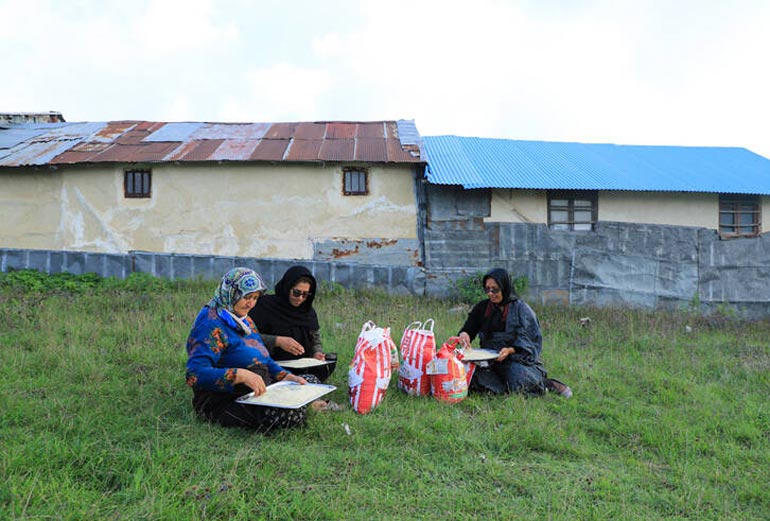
[
  {"x": 447, "y": 374},
  {"x": 418, "y": 348},
  {"x": 370, "y": 369}
]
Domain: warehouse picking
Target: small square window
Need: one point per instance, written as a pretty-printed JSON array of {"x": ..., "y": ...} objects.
[
  {"x": 137, "y": 183},
  {"x": 574, "y": 211},
  {"x": 739, "y": 216},
  {"x": 355, "y": 181}
]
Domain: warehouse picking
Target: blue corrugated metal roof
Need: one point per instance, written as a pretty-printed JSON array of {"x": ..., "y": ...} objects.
[{"x": 503, "y": 163}]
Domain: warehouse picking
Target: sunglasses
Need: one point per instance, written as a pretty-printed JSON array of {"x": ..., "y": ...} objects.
[
  {"x": 297, "y": 293},
  {"x": 493, "y": 291}
]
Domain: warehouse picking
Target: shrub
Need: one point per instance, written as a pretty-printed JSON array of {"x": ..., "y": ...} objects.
[{"x": 468, "y": 289}]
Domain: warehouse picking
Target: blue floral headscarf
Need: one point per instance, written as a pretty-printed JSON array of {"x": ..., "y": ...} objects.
[{"x": 235, "y": 284}]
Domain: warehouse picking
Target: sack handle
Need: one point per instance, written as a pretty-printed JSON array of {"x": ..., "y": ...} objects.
[
  {"x": 368, "y": 326},
  {"x": 452, "y": 346},
  {"x": 414, "y": 325},
  {"x": 425, "y": 325}
]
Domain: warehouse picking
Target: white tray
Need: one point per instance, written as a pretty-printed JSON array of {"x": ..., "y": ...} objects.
[
  {"x": 301, "y": 363},
  {"x": 479, "y": 355},
  {"x": 287, "y": 395}
]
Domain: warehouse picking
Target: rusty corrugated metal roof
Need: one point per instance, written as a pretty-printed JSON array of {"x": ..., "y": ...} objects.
[{"x": 39, "y": 144}]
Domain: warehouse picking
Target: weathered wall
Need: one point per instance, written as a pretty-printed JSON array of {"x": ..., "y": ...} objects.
[
  {"x": 29, "y": 209},
  {"x": 531, "y": 206},
  {"x": 646, "y": 266},
  {"x": 519, "y": 206},
  {"x": 670, "y": 208},
  {"x": 397, "y": 279},
  {"x": 257, "y": 210},
  {"x": 618, "y": 264}
]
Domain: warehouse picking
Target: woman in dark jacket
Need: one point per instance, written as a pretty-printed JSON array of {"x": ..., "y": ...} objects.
[
  {"x": 506, "y": 324},
  {"x": 288, "y": 317}
]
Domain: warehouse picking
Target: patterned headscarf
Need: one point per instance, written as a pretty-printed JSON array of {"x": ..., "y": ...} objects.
[{"x": 235, "y": 284}]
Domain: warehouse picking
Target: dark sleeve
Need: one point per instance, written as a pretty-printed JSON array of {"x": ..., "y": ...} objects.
[
  {"x": 475, "y": 319},
  {"x": 316, "y": 347},
  {"x": 529, "y": 338},
  {"x": 269, "y": 341}
]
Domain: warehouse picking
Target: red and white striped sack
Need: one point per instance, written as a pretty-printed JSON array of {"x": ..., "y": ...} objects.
[
  {"x": 418, "y": 348},
  {"x": 370, "y": 370},
  {"x": 447, "y": 374}
]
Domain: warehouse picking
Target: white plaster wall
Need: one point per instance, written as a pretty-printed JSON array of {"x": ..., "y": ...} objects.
[
  {"x": 241, "y": 210},
  {"x": 667, "y": 208},
  {"x": 674, "y": 208},
  {"x": 519, "y": 206},
  {"x": 29, "y": 209}
]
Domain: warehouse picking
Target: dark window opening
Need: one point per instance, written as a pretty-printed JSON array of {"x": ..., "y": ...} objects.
[
  {"x": 572, "y": 210},
  {"x": 137, "y": 183},
  {"x": 355, "y": 182},
  {"x": 739, "y": 216}
]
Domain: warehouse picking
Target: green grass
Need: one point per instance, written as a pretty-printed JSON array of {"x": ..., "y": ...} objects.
[{"x": 96, "y": 422}]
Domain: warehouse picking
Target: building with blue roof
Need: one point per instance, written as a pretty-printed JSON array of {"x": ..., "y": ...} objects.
[{"x": 574, "y": 185}]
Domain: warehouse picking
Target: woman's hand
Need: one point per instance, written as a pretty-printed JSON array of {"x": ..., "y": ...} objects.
[
  {"x": 251, "y": 380},
  {"x": 319, "y": 356},
  {"x": 289, "y": 345},
  {"x": 463, "y": 338},
  {"x": 505, "y": 353},
  {"x": 295, "y": 378}
]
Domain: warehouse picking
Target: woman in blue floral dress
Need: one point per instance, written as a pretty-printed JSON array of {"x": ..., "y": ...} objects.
[{"x": 228, "y": 359}]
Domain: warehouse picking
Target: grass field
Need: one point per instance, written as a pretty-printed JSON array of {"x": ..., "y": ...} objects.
[{"x": 670, "y": 419}]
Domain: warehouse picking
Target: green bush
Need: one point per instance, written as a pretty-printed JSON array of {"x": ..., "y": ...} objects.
[
  {"x": 469, "y": 290},
  {"x": 34, "y": 281}
]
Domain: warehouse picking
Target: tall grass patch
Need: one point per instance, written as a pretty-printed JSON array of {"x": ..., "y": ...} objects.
[{"x": 669, "y": 418}]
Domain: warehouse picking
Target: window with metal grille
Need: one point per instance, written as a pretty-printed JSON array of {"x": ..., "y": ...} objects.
[
  {"x": 355, "y": 181},
  {"x": 137, "y": 183},
  {"x": 572, "y": 210},
  {"x": 739, "y": 216}
]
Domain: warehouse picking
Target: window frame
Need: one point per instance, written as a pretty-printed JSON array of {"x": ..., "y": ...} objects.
[
  {"x": 571, "y": 196},
  {"x": 129, "y": 183},
  {"x": 735, "y": 205},
  {"x": 347, "y": 180}
]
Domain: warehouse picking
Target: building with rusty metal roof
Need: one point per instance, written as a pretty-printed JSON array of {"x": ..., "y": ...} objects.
[
  {"x": 299, "y": 190},
  {"x": 53, "y": 144}
]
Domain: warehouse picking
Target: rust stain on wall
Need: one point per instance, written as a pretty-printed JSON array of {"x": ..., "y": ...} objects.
[
  {"x": 338, "y": 253},
  {"x": 380, "y": 244}
]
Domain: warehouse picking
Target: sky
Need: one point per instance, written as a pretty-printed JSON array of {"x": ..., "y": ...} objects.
[{"x": 642, "y": 72}]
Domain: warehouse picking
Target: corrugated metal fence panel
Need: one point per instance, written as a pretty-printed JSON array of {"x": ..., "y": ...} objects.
[{"x": 500, "y": 163}]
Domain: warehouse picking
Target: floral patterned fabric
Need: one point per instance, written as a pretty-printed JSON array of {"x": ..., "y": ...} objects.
[
  {"x": 235, "y": 284},
  {"x": 216, "y": 349}
]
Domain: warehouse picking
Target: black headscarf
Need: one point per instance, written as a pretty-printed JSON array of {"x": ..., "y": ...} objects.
[
  {"x": 495, "y": 314},
  {"x": 274, "y": 314}
]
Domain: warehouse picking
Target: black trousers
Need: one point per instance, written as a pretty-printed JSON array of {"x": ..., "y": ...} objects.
[{"x": 222, "y": 408}]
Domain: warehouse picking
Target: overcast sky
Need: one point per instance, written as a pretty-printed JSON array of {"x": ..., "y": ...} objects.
[{"x": 650, "y": 72}]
